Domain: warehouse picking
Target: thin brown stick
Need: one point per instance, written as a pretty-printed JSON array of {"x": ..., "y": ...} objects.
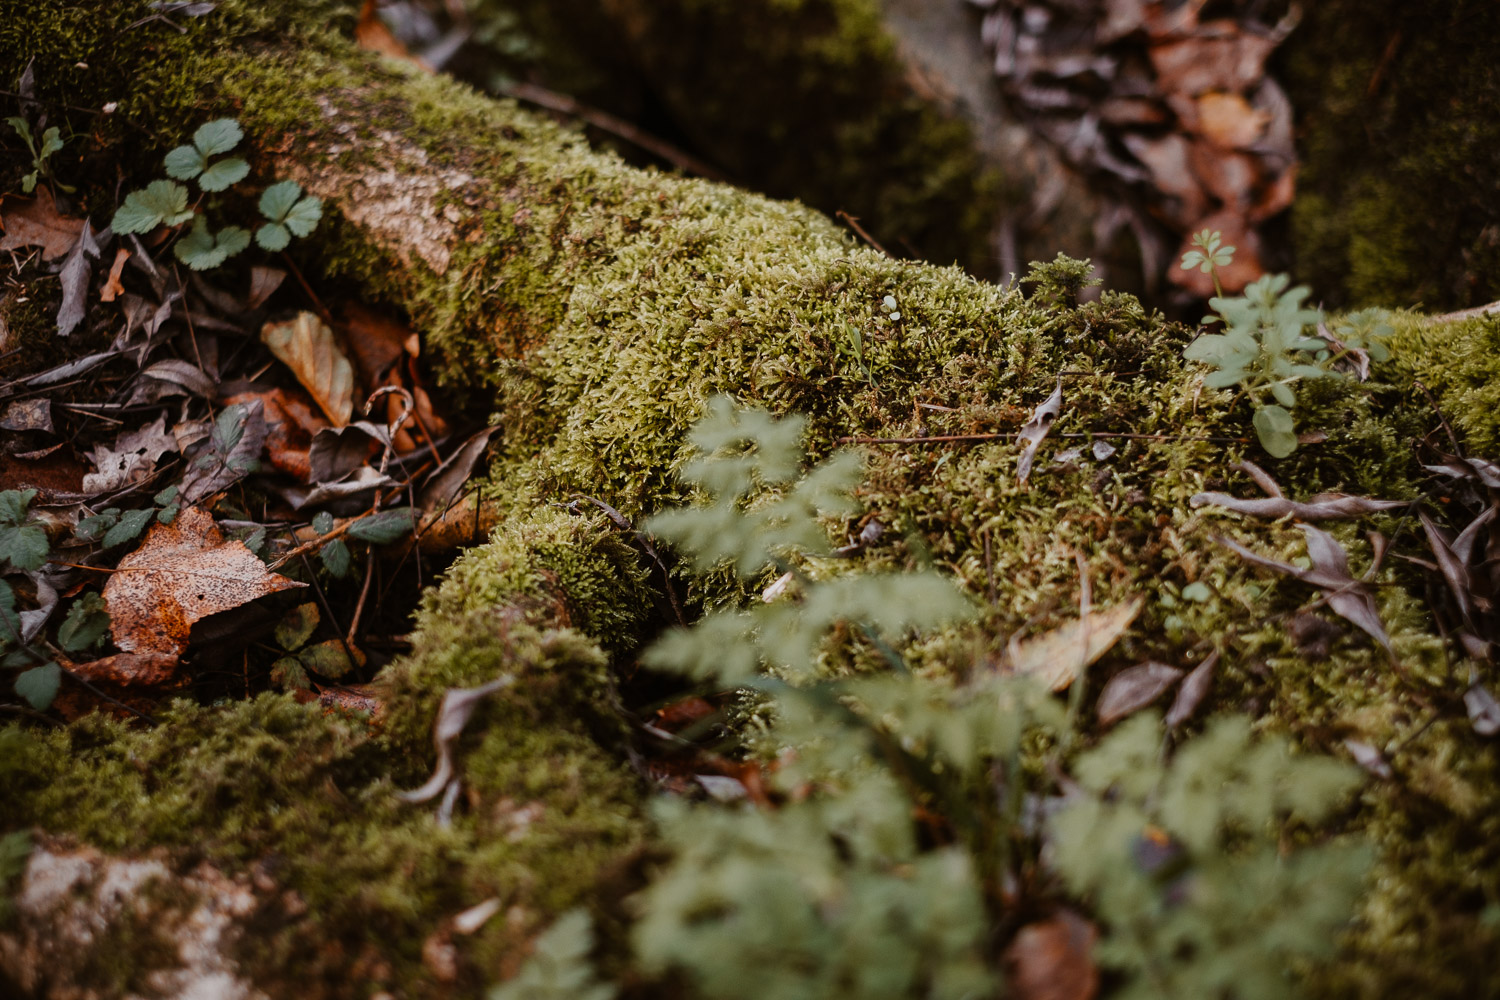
[
  {"x": 317, "y": 303},
  {"x": 853, "y": 224},
  {"x": 564, "y": 105},
  {"x": 942, "y": 438}
]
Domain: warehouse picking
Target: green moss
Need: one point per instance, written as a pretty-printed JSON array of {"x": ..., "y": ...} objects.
[{"x": 309, "y": 800}]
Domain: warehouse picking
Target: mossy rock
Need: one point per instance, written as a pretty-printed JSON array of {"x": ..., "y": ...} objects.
[{"x": 596, "y": 307}]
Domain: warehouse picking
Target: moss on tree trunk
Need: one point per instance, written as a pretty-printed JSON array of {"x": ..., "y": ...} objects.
[{"x": 596, "y": 307}]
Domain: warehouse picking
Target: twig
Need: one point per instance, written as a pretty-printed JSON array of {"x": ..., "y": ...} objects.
[
  {"x": 565, "y": 105},
  {"x": 317, "y": 303},
  {"x": 853, "y": 224},
  {"x": 320, "y": 541},
  {"x": 941, "y": 438},
  {"x": 364, "y": 595}
]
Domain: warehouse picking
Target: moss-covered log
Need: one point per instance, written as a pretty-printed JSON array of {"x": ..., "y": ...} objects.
[{"x": 596, "y": 307}]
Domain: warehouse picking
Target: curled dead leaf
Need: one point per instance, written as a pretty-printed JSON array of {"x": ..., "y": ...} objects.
[
  {"x": 1133, "y": 689},
  {"x": 1035, "y": 430},
  {"x": 453, "y": 714},
  {"x": 1052, "y": 959}
]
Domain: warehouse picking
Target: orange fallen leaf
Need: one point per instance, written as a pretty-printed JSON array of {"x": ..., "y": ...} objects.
[
  {"x": 1228, "y": 120},
  {"x": 1051, "y": 959},
  {"x": 129, "y": 668},
  {"x": 36, "y": 223},
  {"x": 290, "y": 425},
  {"x": 372, "y": 34},
  {"x": 376, "y": 343},
  {"x": 183, "y": 571},
  {"x": 307, "y": 346}
]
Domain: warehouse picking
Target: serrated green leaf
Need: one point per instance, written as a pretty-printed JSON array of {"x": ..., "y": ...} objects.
[
  {"x": 168, "y": 514},
  {"x": 273, "y": 237},
  {"x": 39, "y": 685},
  {"x": 22, "y": 128},
  {"x": 25, "y": 546},
  {"x": 218, "y": 136},
  {"x": 85, "y": 625},
  {"x": 335, "y": 556},
  {"x": 222, "y": 173},
  {"x": 51, "y": 143},
  {"x": 13, "y": 505},
  {"x": 322, "y": 522},
  {"x": 277, "y": 200},
  {"x": 184, "y": 163},
  {"x": 132, "y": 523},
  {"x": 91, "y": 529},
  {"x": 293, "y": 631},
  {"x": 202, "y": 249},
  {"x": 165, "y": 497},
  {"x": 161, "y": 203},
  {"x": 384, "y": 527},
  {"x": 304, "y": 216}
]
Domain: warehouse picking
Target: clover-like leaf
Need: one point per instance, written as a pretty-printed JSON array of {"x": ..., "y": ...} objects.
[
  {"x": 1274, "y": 427},
  {"x": 184, "y": 163},
  {"x": 221, "y": 174},
  {"x": 161, "y": 203},
  {"x": 273, "y": 237},
  {"x": 202, "y": 249},
  {"x": 39, "y": 685},
  {"x": 218, "y": 136}
]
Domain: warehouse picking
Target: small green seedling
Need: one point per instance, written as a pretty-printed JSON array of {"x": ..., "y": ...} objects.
[
  {"x": 165, "y": 202},
  {"x": 51, "y": 143},
  {"x": 1262, "y": 348}
]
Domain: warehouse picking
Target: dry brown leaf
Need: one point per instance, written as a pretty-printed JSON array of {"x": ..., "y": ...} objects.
[
  {"x": 1168, "y": 159},
  {"x": 1233, "y": 62},
  {"x": 263, "y": 283},
  {"x": 129, "y": 668},
  {"x": 1229, "y": 122},
  {"x": 183, "y": 571},
  {"x": 1192, "y": 692},
  {"x": 1035, "y": 430},
  {"x": 1323, "y": 507},
  {"x": 376, "y": 343},
  {"x": 1052, "y": 959},
  {"x": 1059, "y": 656},
  {"x": 132, "y": 459},
  {"x": 36, "y": 223},
  {"x": 372, "y": 34},
  {"x": 457, "y": 706},
  {"x": 112, "y": 286},
  {"x": 290, "y": 425},
  {"x": 1133, "y": 689},
  {"x": 307, "y": 346}
]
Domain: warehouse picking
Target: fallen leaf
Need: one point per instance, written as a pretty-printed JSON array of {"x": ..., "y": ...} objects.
[
  {"x": 1133, "y": 689},
  {"x": 263, "y": 283},
  {"x": 1480, "y": 469},
  {"x": 33, "y": 414},
  {"x": 371, "y": 33},
  {"x": 112, "y": 287},
  {"x": 307, "y": 346},
  {"x": 74, "y": 279},
  {"x": 1059, "y": 656},
  {"x": 1229, "y": 122},
  {"x": 1323, "y": 507},
  {"x": 1198, "y": 65},
  {"x": 129, "y": 668},
  {"x": 132, "y": 459},
  {"x": 1052, "y": 959},
  {"x": 337, "y": 452},
  {"x": 182, "y": 572},
  {"x": 1192, "y": 692},
  {"x": 1369, "y": 758},
  {"x": 1035, "y": 430},
  {"x": 376, "y": 343},
  {"x": 1455, "y": 572},
  {"x": 290, "y": 425},
  {"x": 180, "y": 375},
  {"x": 448, "y": 479},
  {"x": 351, "y": 699},
  {"x": 1483, "y": 709},
  {"x": 37, "y": 223},
  {"x": 232, "y": 452},
  {"x": 1348, "y": 597},
  {"x": 453, "y": 714}
]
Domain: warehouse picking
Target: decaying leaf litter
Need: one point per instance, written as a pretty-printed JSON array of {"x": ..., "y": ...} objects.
[{"x": 183, "y": 396}]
